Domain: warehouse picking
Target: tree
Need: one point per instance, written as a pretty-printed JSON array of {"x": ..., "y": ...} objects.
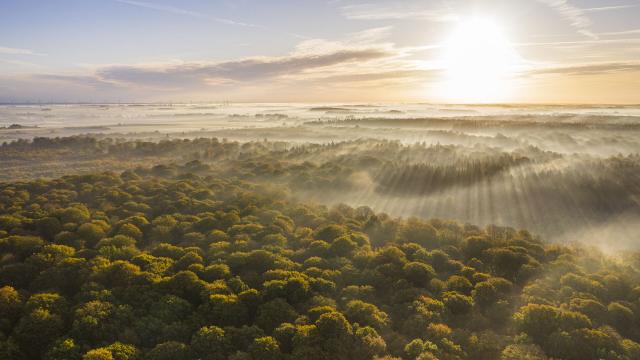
[
  {"x": 343, "y": 246},
  {"x": 456, "y": 303},
  {"x": 485, "y": 294},
  {"x": 130, "y": 230},
  {"x": 98, "y": 354},
  {"x": 186, "y": 285},
  {"x": 170, "y": 350},
  {"x": 330, "y": 232},
  {"x": 506, "y": 262},
  {"x": 336, "y": 334},
  {"x": 265, "y": 348},
  {"x": 90, "y": 233},
  {"x": 416, "y": 231},
  {"x": 10, "y": 308},
  {"x": 621, "y": 316},
  {"x": 538, "y": 321},
  {"x": 209, "y": 343},
  {"x": 273, "y": 313},
  {"x": 121, "y": 351},
  {"x": 37, "y": 330},
  {"x": 48, "y": 227},
  {"x": 592, "y": 308},
  {"x": 64, "y": 349},
  {"x": 459, "y": 284},
  {"x": 473, "y": 246},
  {"x": 240, "y": 338},
  {"x": 284, "y": 334},
  {"x": 118, "y": 274},
  {"x": 224, "y": 310},
  {"x": 366, "y": 314},
  {"x": 98, "y": 322},
  {"x": 368, "y": 344},
  {"x": 21, "y": 246},
  {"x": 78, "y": 214},
  {"x": 51, "y": 302},
  {"x": 418, "y": 273},
  {"x": 523, "y": 352}
]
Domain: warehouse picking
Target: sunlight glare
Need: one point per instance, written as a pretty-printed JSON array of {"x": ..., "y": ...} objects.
[{"x": 479, "y": 62}]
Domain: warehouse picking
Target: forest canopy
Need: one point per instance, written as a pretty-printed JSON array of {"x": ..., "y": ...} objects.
[{"x": 176, "y": 262}]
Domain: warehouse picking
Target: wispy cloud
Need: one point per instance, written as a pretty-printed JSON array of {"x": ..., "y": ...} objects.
[
  {"x": 395, "y": 12},
  {"x": 244, "y": 70},
  {"x": 620, "y": 33},
  {"x": 370, "y": 35},
  {"x": 179, "y": 11},
  {"x": 575, "y": 16},
  {"x": 578, "y": 17},
  {"x": 319, "y": 67},
  {"x": 19, "y": 63},
  {"x": 608, "y": 8},
  {"x": 589, "y": 68},
  {"x": 80, "y": 80},
  {"x": 414, "y": 75},
  {"x": 17, "y": 51},
  {"x": 596, "y": 42}
]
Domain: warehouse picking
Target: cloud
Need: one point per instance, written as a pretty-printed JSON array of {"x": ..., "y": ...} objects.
[
  {"x": 413, "y": 75},
  {"x": 243, "y": 70},
  {"x": 179, "y": 11},
  {"x": 60, "y": 88},
  {"x": 620, "y": 33},
  {"x": 589, "y": 69},
  {"x": 595, "y": 42},
  {"x": 395, "y": 12},
  {"x": 577, "y": 17},
  {"x": 79, "y": 80},
  {"x": 316, "y": 68},
  {"x": 20, "y": 63},
  {"x": 608, "y": 8},
  {"x": 17, "y": 51},
  {"x": 370, "y": 36}
]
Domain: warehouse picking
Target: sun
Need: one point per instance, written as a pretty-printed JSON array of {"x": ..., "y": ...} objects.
[{"x": 479, "y": 63}]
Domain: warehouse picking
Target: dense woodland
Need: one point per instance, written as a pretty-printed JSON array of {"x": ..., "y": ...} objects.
[
  {"x": 192, "y": 262},
  {"x": 546, "y": 192}
]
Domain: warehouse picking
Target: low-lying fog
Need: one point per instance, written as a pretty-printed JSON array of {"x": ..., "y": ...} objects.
[
  {"x": 570, "y": 173},
  {"x": 595, "y": 130}
]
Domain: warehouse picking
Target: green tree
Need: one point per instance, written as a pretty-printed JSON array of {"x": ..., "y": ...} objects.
[
  {"x": 98, "y": 354},
  {"x": 64, "y": 349},
  {"x": 265, "y": 348},
  {"x": 273, "y": 313},
  {"x": 330, "y": 232},
  {"x": 418, "y": 273},
  {"x": 459, "y": 284},
  {"x": 366, "y": 314},
  {"x": 209, "y": 343},
  {"x": 456, "y": 303},
  {"x": 121, "y": 351},
  {"x": 170, "y": 350},
  {"x": 37, "y": 330},
  {"x": 10, "y": 308}
]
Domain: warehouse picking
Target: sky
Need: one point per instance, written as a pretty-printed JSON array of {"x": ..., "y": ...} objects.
[{"x": 508, "y": 51}]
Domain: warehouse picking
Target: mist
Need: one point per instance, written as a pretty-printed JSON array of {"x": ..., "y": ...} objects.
[{"x": 567, "y": 173}]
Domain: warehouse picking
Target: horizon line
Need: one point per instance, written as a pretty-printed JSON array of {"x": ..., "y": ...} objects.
[{"x": 344, "y": 103}]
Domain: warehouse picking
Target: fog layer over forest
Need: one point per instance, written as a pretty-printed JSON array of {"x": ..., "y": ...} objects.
[{"x": 569, "y": 173}]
